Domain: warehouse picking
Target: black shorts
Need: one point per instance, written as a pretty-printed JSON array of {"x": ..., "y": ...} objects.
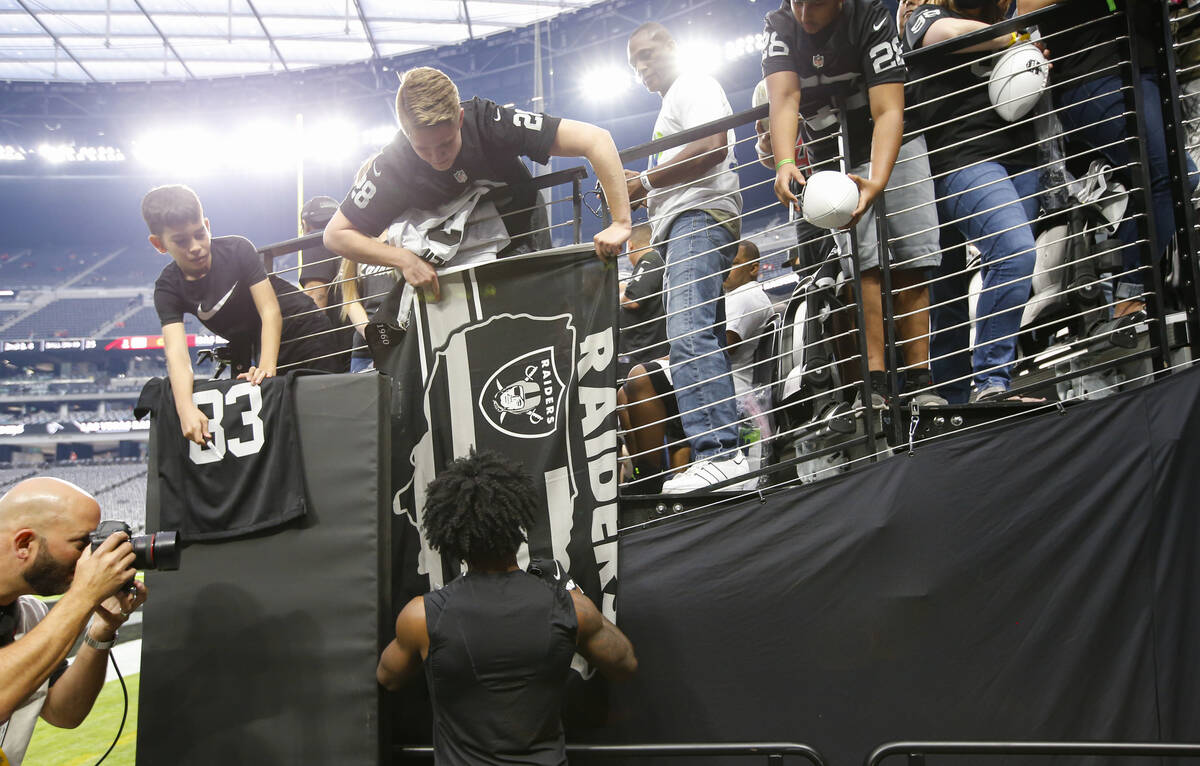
[{"x": 660, "y": 379}]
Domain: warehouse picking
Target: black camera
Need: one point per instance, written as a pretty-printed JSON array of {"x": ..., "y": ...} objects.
[{"x": 159, "y": 550}]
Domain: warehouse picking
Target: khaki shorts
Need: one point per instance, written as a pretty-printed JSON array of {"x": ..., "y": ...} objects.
[{"x": 912, "y": 220}]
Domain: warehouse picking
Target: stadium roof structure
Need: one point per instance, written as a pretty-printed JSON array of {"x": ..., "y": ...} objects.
[{"x": 163, "y": 40}]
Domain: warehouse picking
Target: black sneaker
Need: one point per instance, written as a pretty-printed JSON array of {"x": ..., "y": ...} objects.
[
  {"x": 879, "y": 391},
  {"x": 918, "y": 379}
]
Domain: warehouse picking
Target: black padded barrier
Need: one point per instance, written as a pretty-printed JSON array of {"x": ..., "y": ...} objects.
[
  {"x": 1033, "y": 581},
  {"x": 262, "y": 651}
]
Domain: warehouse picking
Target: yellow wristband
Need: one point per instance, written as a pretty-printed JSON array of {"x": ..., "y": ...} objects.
[{"x": 781, "y": 163}]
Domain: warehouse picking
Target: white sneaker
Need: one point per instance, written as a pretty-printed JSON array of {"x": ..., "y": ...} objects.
[{"x": 705, "y": 473}]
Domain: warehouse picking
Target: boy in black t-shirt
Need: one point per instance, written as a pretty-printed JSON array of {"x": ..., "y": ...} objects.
[
  {"x": 223, "y": 283},
  {"x": 444, "y": 149}
]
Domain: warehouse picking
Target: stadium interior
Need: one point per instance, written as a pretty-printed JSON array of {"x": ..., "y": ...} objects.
[{"x": 80, "y": 336}]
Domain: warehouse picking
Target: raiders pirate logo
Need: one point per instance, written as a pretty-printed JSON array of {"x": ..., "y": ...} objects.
[
  {"x": 460, "y": 176},
  {"x": 818, "y": 61},
  {"x": 523, "y": 398}
]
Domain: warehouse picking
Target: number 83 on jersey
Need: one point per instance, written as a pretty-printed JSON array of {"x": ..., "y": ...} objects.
[{"x": 244, "y": 399}]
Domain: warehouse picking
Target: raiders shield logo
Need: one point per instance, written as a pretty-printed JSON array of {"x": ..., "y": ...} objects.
[
  {"x": 523, "y": 398},
  {"x": 818, "y": 61},
  {"x": 460, "y": 176}
]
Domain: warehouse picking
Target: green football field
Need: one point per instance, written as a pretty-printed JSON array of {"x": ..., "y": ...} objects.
[{"x": 85, "y": 745}]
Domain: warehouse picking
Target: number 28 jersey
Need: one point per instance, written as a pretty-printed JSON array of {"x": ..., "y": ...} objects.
[
  {"x": 494, "y": 138},
  {"x": 249, "y": 478},
  {"x": 858, "y": 50}
]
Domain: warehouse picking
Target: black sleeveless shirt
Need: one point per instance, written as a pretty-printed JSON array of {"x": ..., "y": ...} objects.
[{"x": 500, "y": 648}]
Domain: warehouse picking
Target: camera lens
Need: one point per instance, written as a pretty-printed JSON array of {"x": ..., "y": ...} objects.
[{"x": 159, "y": 550}]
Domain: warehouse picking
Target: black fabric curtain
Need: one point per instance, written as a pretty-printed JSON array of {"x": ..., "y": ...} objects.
[{"x": 1032, "y": 581}]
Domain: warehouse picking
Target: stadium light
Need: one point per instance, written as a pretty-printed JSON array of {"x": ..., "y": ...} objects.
[
  {"x": 174, "y": 150},
  {"x": 258, "y": 147},
  {"x": 57, "y": 154},
  {"x": 262, "y": 145},
  {"x": 331, "y": 141},
  {"x": 378, "y": 136},
  {"x": 607, "y": 83},
  {"x": 53, "y": 153},
  {"x": 745, "y": 46}
]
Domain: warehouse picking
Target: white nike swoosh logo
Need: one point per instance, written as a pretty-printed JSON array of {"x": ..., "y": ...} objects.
[
  {"x": 880, "y": 24},
  {"x": 497, "y": 115},
  {"x": 374, "y": 167},
  {"x": 207, "y": 315}
]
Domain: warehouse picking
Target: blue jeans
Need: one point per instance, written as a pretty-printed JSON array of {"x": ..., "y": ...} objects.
[
  {"x": 997, "y": 221},
  {"x": 949, "y": 324},
  {"x": 699, "y": 251},
  {"x": 1100, "y": 122},
  {"x": 361, "y": 363}
]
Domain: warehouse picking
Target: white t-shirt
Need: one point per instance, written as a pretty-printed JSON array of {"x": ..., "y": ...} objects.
[
  {"x": 17, "y": 730},
  {"x": 747, "y": 309},
  {"x": 693, "y": 99}
]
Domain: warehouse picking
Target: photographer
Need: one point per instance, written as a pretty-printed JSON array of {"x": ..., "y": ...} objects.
[
  {"x": 45, "y": 529},
  {"x": 497, "y": 642}
]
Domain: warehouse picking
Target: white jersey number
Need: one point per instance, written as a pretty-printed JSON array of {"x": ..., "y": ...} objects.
[
  {"x": 885, "y": 55},
  {"x": 775, "y": 47},
  {"x": 364, "y": 193},
  {"x": 236, "y": 445},
  {"x": 524, "y": 119}
]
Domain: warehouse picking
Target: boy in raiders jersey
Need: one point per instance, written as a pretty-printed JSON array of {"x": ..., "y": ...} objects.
[
  {"x": 444, "y": 147},
  {"x": 223, "y": 283},
  {"x": 822, "y": 53}
]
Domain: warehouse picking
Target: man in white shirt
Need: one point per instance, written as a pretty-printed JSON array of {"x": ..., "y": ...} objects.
[
  {"x": 691, "y": 194},
  {"x": 45, "y": 527}
]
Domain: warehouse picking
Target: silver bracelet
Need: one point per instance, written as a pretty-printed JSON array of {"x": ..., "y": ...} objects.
[{"x": 101, "y": 646}]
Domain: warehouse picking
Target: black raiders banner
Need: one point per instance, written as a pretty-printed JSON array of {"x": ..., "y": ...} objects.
[{"x": 518, "y": 357}]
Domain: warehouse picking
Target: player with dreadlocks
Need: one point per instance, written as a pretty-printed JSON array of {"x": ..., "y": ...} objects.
[{"x": 496, "y": 642}]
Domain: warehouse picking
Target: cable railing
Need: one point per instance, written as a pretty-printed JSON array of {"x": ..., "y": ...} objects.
[
  {"x": 915, "y": 752},
  {"x": 1036, "y": 316},
  {"x": 773, "y": 752}
]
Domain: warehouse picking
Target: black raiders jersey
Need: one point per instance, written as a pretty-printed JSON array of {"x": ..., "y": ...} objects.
[
  {"x": 951, "y": 102},
  {"x": 494, "y": 138},
  {"x": 248, "y": 478},
  {"x": 1085, "y": 41},
  {"x": 857, "y": 51},
  {"x": 221, "y": 299}
]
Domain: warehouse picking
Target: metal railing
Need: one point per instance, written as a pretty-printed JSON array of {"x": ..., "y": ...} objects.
[
  {"x": 821, "y": 420},
  {"x": 916, "y": 751},
  {"x": 773, "y": 752}
]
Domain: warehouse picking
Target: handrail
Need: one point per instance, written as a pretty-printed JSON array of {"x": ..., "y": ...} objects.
[
  {"x": 563, "y": 176},
  {"x": 774, "y": 751},
  {"x": 1006, "y": 26},
  {"x": 1163, "y": 749},
  {"x": 719, "y": 125}
]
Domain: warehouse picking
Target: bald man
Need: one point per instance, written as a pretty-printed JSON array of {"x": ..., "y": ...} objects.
[{"x": 44, "y": 550}]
